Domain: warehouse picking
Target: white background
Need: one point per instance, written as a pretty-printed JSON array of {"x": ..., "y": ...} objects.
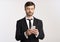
[{"x": 46, "y": 10}]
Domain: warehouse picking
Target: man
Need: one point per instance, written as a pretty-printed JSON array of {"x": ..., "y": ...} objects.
[{"x": 29, "y": 29}]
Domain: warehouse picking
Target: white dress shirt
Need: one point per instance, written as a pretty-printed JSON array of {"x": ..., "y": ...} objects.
[{"x": 28, "y": 25}]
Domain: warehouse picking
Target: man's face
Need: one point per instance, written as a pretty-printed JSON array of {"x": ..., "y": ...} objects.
[{"x": 29, "y": 10}]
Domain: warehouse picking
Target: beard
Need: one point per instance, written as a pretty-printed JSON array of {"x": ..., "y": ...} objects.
[{"x": 29, "y": 14}]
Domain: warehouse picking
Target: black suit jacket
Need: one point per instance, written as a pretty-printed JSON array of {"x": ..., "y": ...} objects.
[{"x": 21, "y": 27}]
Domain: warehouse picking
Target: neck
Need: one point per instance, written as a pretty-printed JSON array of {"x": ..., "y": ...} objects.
[{"x": 29, "y": 17}]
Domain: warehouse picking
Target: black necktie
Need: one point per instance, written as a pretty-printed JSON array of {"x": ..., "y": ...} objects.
[
  {"x": 31, "y": 36},
  {"x": 29, "y": 23}
]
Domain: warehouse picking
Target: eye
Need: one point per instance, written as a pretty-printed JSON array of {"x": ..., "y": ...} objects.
[{"x": 32, "y": 8}]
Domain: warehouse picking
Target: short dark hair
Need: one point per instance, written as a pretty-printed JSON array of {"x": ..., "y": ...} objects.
[{"x": 29, "y": 3}]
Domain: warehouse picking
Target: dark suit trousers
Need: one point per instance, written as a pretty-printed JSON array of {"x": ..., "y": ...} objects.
[{"x": 35, "y": 40}]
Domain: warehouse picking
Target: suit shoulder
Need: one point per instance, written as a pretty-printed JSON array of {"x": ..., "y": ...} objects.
[
  {"x": 38, "y": 19},
  {"x": 20, "y": 20}
]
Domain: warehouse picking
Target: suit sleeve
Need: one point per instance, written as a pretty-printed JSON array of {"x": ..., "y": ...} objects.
[
  {"x": 18, "y": 35},
  {"x": 40, "y": 29}
]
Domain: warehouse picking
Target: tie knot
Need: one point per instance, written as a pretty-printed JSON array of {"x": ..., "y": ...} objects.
[{"x": 29, "y": 19}]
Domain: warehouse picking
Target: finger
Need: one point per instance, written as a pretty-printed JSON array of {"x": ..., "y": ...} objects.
[{"x": 36, "y": 29}]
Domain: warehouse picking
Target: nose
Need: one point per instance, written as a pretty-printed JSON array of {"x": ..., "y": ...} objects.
[{"x": 29, "y": 10}]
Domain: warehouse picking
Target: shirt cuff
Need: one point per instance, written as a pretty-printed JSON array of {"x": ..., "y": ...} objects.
[
  {"x": 37, "y": 35},
  {"x": 25, "y": 35}
]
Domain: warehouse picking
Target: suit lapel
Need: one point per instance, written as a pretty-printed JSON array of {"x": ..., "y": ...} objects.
[
  {"x": 25, "y": 24},
  {"x": 34, "y": 22}
]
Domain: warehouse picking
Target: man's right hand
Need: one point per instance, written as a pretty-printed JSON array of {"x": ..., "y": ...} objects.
[{"x": 29, "y": 32}]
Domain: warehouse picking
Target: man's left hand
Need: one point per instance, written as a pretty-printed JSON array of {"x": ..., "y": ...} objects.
[{"x": 35, "y": 31}]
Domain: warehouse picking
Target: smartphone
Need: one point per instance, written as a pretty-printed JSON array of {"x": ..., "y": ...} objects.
[{"x": 33, "y": 27}]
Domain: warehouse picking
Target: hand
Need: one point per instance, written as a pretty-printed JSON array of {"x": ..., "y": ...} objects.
[
  {"x": 29, "y": 32},
  {"x": 35, "y": 31}
]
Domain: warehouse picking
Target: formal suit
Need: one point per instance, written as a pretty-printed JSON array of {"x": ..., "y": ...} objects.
[{"x": 21, "y": 27}]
